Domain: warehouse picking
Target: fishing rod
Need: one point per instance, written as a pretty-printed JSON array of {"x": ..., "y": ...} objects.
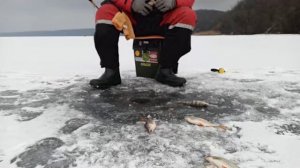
[{"x": 94, "y": 4}]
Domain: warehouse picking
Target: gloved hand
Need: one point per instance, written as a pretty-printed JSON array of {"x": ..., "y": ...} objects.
[
  {"x": 165, "y": 5},
  {"x": 140, "y": 6}
]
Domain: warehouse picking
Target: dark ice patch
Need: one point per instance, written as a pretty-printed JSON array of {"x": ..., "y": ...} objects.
[
  {"x": 140, "y": 100},
  {"x": 151, "y": 97},
  {"x": 265, "y": 149},
  {"x": 9, "y": 92},
  {"x": 31, "y": 98},
  {"x": 250, "y": 80},
  {"x": 142, "y": 97},
  {"x": 244, "y": 80},
  {"x": 62, "y": 163},
  {"x": 73, "y": 124},
  {"x": 293, "y": 90},
  {"x": 29, "y": 113},
  {"x": 292, "y": 128},
  {"x": 126, "y": 103},
  {"x": 220, "y": 105},
  {"x": 39, "y": 153},
  {"x": 122, "y": 105},
  {"x": 5, "y": 107},
  {"x": 267, "y": 110},
  {"x": 27, "y": 116},
  {"x": 7, "y": 100}
]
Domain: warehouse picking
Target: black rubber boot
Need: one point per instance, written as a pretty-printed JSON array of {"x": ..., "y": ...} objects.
[
  {"x": 167, "y": 76},
  {"x": 110, "y": 77},
  {"x": 175, "y": 68}
]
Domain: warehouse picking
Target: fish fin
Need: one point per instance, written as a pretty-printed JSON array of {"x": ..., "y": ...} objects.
[
  {"x": 217, "y": 157},
  {"x": 142, "y": 119}
]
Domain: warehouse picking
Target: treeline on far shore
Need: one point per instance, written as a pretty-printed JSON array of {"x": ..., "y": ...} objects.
[{"x": 252, "y": 17}]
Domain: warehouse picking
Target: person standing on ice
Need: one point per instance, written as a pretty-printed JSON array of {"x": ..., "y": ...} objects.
[{"x": 173, "y": 19}]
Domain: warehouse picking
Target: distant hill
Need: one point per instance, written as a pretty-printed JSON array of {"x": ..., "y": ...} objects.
[
  {"x": 75, "y": 32},
  {"x": 252, "y": 17},
  {"x": 262, "y": 16},
  {"x": 208, "y": 19}
]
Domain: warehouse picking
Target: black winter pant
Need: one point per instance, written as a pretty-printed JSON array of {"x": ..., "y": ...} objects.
[{"x": 177, "y": 43}]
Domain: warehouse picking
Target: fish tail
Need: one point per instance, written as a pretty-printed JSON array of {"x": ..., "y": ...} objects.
[
  {"x": 223, "y": 127},
  {"x": 149, "y": 131},
  {"x": 194, "y": 103}
]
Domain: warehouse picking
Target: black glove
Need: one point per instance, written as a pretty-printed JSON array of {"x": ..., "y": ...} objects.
[
  {"x": 165, "y": 5},
  {"x": 140, "y": 6}
]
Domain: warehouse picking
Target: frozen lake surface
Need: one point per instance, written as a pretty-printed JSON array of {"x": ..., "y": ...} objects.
[{"x": 51, "y": 118}]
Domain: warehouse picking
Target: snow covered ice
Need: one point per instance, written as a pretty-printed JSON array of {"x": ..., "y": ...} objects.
[{"x": 50, "y": 117}]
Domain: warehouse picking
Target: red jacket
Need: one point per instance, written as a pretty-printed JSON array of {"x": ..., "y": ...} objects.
[
  {"x": 125, "y": 5},
  {"x": 181, "y": 16}
]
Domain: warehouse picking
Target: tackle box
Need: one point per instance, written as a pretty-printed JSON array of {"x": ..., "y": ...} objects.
[{"x": 146, "y": 55}]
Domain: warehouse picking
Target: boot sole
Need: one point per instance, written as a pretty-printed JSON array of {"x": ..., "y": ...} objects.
[
  {"x": 170, "y": 84},
  {"x": 103, "y": 87}
]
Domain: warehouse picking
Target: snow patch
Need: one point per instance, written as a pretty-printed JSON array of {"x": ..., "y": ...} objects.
[
  {"x": 263, "y": 145},
  {"x": 16, "y": 136}
]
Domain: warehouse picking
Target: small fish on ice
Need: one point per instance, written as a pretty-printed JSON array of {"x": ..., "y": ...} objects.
[
  {"x": 150, "y": 123},
  {"x": 219, "y": 162},
  {"x": 195, "y": 103},
  {"x": 202, "y": 122}
]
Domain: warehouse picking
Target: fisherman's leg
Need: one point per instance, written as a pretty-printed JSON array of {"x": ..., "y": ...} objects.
[
  {"x": 180, "y": 23},
  {"x": 106, "y": 40},
  {"x": 177, "y": 43}
]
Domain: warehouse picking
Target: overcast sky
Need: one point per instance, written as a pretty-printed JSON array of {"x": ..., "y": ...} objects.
[{"x": 34, "y": 15}]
